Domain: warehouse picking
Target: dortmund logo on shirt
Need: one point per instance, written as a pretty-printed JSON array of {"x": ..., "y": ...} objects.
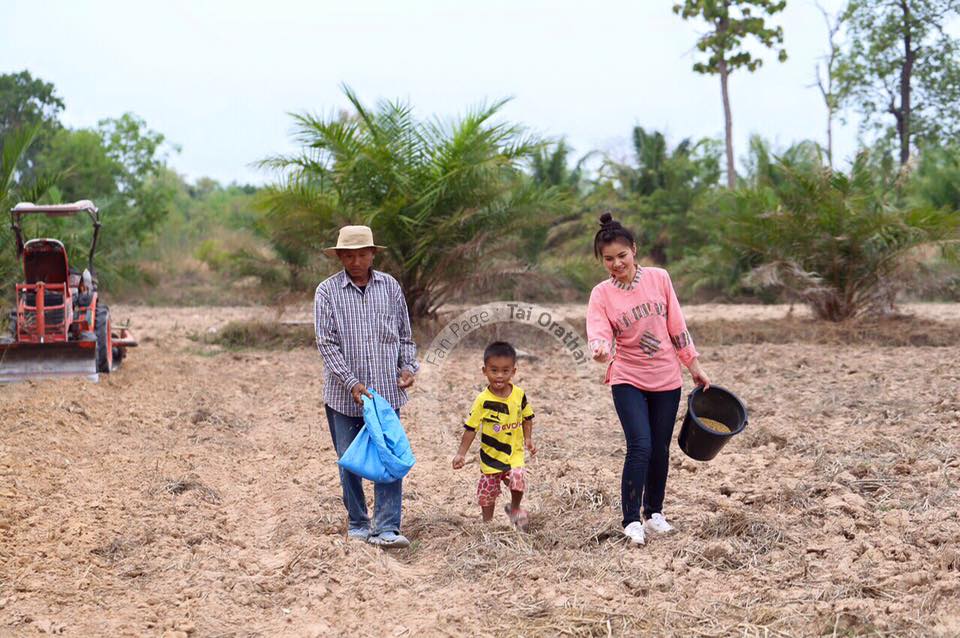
[{"x": 500, "y": 421}]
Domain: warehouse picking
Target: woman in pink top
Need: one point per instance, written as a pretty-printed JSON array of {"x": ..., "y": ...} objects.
[{"x": 634, "y": 322}]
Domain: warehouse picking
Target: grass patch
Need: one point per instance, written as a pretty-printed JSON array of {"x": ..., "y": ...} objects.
[
  {"x": 177, "y": 487},
  {"x": 892, "y": 331},
  {"x": 904, "y": 331},
  {"x": 266, "y": 335}
]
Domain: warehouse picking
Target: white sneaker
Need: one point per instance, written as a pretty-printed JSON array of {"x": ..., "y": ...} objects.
[
  {"x": 634, "y": 531},
  {"x": 658, "y": 524}
]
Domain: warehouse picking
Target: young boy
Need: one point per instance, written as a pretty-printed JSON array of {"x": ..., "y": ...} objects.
[{"x": 505, "y": 421}]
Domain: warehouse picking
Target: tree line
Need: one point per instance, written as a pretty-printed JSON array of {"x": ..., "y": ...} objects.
[{"x": 479, "y": 206}]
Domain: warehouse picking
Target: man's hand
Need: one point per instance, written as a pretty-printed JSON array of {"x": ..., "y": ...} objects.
[
  {"x": 458, "y": 461},
  {"x": 531, "y": 447},
  {"x": 359, "y": 390},
  {"x": 406, "y": 379}
]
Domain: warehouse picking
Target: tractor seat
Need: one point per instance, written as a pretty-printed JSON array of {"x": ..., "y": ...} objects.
[{"x": 45, "y": 260}]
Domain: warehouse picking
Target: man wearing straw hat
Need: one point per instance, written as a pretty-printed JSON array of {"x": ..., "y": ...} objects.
[{"x": 364, "y": 336}]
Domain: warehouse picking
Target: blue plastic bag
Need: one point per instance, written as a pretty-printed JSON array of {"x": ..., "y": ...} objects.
[{"x": 381, "y": 452}]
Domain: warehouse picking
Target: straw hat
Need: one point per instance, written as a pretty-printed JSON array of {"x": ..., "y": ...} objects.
[{"x": 351, "y": 238}]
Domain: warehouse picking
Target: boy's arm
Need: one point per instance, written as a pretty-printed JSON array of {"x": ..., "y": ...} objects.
[
  {"x": 528, "y": 436},
  {"x": 465, "y": 442},
  {"x": 526, "y": 413}
]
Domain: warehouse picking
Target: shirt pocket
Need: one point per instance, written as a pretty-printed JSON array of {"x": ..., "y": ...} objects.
[{"x": 386, "y": 329}]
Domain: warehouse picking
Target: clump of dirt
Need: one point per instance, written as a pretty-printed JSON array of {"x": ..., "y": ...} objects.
[
  {"x": 181, "y": 486},
  {"x": 734, "y": 540}
]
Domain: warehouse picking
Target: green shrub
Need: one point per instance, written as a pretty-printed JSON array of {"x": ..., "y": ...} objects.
[{"x": 840, "y": 242}]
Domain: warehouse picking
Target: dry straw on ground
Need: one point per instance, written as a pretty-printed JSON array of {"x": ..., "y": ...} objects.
[{"x": 195, "y": 493}]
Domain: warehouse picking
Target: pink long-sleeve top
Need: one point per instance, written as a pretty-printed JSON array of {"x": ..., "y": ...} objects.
[{"x": 645, "y": 322}]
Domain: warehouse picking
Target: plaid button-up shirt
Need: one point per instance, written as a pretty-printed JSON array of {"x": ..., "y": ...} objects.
[{"x": 364, "y": 337}]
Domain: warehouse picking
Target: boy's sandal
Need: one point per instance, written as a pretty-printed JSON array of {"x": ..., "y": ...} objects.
[{"x": 520, "y": 518}]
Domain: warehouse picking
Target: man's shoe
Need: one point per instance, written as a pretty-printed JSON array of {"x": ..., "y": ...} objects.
[
  {"x": 634, "y": 531},
  {"x": 658, "y": 524},
  {"x": 390, "y": 540},
  {"x": 358, "y": 534}
]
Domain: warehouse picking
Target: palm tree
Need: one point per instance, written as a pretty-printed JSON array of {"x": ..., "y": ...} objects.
[
  {"x": 838, "y": 242},
  {"x": 662, "y": 186},
  {"x": 444, "y": 197},
  {"x": 549, "y": 167},
  {"x": 13, "y": 150}
]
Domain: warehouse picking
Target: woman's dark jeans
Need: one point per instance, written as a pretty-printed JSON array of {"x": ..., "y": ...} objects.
[{"x": 647, "y": 419}]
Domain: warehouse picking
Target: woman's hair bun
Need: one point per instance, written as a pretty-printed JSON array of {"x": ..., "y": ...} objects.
[{"x": 610, "y": 231}]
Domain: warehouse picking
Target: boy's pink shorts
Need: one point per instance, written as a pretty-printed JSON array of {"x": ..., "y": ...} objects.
[{"x": 488, "y": 489}]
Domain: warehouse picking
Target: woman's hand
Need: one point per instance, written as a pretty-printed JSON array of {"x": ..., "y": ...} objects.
[
  {"x": 600, "y": 350},
  {"x": 699, "y": 376}
]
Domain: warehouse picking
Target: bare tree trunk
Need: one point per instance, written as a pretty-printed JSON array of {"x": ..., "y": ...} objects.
[
  {"x": 727, "y": 124},
  {"x": 830, "y": 138},
  {"x": 296, "y": 279},
  {"x": 827, "y": 94},
  {"x": 826, "y": 91},
  {"x": 903, "y": 122},
  {"x": 826, "y": 87}
]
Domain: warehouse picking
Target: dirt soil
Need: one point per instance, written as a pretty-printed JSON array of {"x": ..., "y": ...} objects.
[{"x": 195, "y": 492}]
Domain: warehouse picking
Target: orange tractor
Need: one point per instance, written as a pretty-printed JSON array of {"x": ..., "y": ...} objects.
[{"x": 60, "y": 327}]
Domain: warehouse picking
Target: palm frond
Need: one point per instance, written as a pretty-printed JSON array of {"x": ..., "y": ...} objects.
[
  {"x": 14, "y": 147},
  {"x": 441, "y": 195}
]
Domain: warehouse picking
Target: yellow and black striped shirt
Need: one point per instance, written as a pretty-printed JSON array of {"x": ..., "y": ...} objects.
[{"x": 501, "y": 437}]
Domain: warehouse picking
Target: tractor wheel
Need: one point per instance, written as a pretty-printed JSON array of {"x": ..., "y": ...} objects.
[
  {"x": 118, "y": 354},
  {"x": 101, "y": 326}
]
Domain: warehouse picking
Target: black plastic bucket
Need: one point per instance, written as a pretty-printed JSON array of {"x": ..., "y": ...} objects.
[{"x": 697, "y": 440}]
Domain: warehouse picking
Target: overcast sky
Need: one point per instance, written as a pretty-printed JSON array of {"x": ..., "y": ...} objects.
[{"x": 219, "y": 78}]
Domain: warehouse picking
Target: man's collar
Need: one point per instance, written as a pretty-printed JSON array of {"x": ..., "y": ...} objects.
[{"x": 375, "y": 275}]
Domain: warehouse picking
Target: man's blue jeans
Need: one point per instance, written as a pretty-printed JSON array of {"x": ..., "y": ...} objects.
[{"x": 388, "y": 497}]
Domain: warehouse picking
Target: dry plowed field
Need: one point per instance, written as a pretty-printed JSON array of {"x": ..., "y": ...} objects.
[{"x": 194, "y": 493}]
